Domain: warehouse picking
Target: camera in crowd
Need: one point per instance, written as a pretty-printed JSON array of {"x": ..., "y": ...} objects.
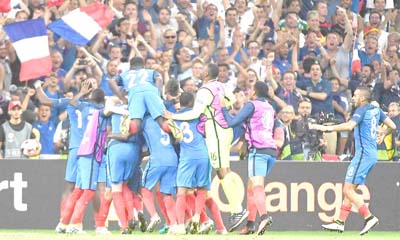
[{"x": 82, "y": 62}]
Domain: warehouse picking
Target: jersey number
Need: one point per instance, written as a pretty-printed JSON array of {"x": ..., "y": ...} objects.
[{"x": 187, "y": 132}]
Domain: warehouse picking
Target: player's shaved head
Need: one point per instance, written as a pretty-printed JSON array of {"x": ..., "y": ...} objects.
[
  {"x": 212, "y": 70},
  {"x": 186, "y": 99},
  {"x": 261, "y": 89},
  {"x": 137, "y": 62},
  {"x": 365, "y": 92}
]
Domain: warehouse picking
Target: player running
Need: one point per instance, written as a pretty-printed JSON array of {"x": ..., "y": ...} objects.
[{"x": 365, "y": 122}]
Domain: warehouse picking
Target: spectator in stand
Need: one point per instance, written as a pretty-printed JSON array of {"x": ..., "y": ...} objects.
[
  {"x": 292, "y": 16},
  {"x": 388, "y": 90},
  {"x": 245, "y": 14},
  {"x": 56, "y": 61},
  {"x": 52, "y": 90},
  {"x": 197, "y": 71},
  {"x": 313, "y": 23},
  {"x": 131, "y": 12},
  {"x": 322, "y": 9},
  {"x": 370, "y": 53},
  {"x": 365, "y": 78},
  {"x": 117, "y": 7},
  {"x": 14, "y": 132},
  {"x": 292, "y": 147},
  {"x": 287, "y": 93},
  {"x": 46, "y": 130},
  {"x": 319, "y": 90},
  {"x": 385, "y": 9},
  {"x": 204, "y": 23},
  {"x": 338, "y": 48},
  {"x": 165, "y": 22},
  {"x": 387, "y": 149},
  {"x": 374, "y": 29},
  {"x": 7, "y": 55},
  {"x": 391, "y": 55},
  {"x": 310, "y": 45},
  {"x": 341, "y": 111}
]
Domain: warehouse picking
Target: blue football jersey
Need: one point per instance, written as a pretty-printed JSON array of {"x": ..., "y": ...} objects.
[
  {"x": 193, "y": 145},
  {"x": 368, "y": 118},
  {"x": 162, "y": 152},
  {"x": 139, "y": 80}
]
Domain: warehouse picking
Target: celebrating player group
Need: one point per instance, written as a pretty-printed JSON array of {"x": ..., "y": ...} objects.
[{"x": 187, "y": 136}]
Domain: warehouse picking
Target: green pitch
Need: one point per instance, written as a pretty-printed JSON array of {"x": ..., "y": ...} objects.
[{"x": 50, "y": 235}]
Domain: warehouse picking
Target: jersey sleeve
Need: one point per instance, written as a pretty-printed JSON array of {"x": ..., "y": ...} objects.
[
  {"x": 203, "y": 99},
  {"x": 234, "y": 121},
  {"x": 382, "y": 116},
  {"x": 357, "y": 116},
  {"x": 60, "y": 103}
]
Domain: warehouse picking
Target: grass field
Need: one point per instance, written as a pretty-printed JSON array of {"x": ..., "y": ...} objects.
[{"x": 50, "y": 235}]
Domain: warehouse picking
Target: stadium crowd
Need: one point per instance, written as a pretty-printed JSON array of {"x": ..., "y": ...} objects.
[{"x": 310, "y": 55}]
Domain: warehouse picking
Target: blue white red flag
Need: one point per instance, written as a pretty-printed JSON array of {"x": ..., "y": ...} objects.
[
  {"x": 82, "y": 24},
  {"x": 31, "y": 43}
]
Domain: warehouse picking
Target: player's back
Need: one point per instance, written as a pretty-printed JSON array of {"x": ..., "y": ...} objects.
[
  {"x": 116, "y": 120},
  {"x": 79, "y": 117},
  {"x": 365, "y": 132},
  {"x": 162, "y": 152},
  {"x": 139, "y": 80},
  {"x": 193, "y": 145}
]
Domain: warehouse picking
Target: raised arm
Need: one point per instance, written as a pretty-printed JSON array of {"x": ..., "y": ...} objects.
[
  {"x": 244, "y": 113},
  {"x": 203, "y": 98}
]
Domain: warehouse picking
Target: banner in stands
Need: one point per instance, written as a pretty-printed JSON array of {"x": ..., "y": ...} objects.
[{"x": 300, "y": 195}]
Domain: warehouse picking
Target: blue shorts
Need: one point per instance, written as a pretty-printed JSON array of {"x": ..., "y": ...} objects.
[
  {"x": 358, "y": 170},
  {"x": 166, "y": 175},
  {"x": 145, "y": 101},
  {"x": 194, "y": 173},
  {"x": 72, "y": 165},
  {"x": 135, "y": 181},
  {"x": 121, "y": 156},
  {"x": 260, "y": 164},
  {"x": 88, "y": 173},
  {"x": 103, "y": 178}
]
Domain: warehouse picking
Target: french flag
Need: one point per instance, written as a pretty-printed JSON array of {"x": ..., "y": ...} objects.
[
  {"x": 355, "y": 62},
  {"x": 31, "y": 43},
  {"x": 82, "y": 24},
  {"x": 5, "y": 6}
]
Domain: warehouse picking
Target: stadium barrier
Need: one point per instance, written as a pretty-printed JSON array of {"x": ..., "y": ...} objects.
[{"x": 300, "y": 195}]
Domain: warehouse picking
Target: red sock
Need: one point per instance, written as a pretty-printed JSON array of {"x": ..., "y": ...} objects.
[
  {"x": 200, "y": 201},
  {"x": 259, "y": 199},
  {"x": 203, "y": 215},
  {"x": 344, "y": 212},
  {"x": 80, "y": 207},
  {"x": 128, "y": 199},
  {"x": 62, "y": 205},
  {"x": 70, "y": 205},
  {"x": 180, "y": 208},
  {"x": 101, "y": 216},
  {"x": 364, "y": 211},
  {"x": 251, "y": 206},
  {"x": 188, "y": 212},
  {"x": 149, "y": 201},
  {"x": 161, "y": 204},
  {"x": 137, "y": 202},
  {"x": 216, "y": 214},
  {"x": 191, "y": 201},
  {"x": 119, "y": 205},
  {"x": 170, "y": 207}
]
